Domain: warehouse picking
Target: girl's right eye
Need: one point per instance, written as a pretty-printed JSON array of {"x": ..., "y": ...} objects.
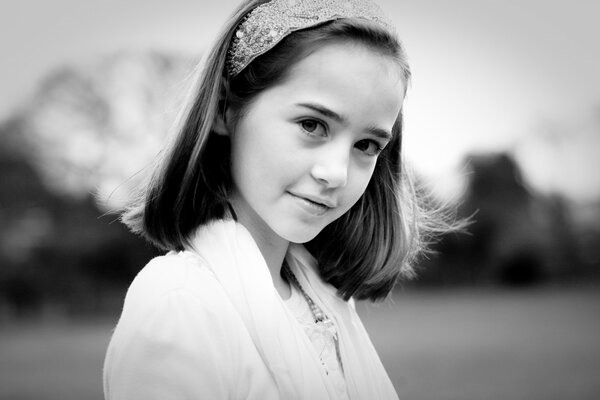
[{"x": 313, "y": 127}]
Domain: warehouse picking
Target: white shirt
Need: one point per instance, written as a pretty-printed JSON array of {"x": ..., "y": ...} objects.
[
  {"x": 323, "y": 342},
  {"x": 208, "y": 323}
]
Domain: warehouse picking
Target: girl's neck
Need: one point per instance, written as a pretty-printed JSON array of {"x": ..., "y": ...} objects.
[{"x": 272, "y": 247}]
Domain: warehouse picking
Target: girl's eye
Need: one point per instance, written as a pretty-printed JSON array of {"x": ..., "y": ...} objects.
[
  {"x": 369, "y": 147},
  {"x": 313, "y": 127}
]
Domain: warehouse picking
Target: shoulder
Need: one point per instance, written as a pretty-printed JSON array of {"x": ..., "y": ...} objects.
[
  {"x": 183, "y": 271},
  {"x": 180, "y": 282},
  {"x": 175, "y": 306},
  {"x": 173, "y": 269},
  {"x": 179, "y": 335}
]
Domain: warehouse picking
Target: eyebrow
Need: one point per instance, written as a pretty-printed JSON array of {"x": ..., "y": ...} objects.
[{"x": 381, "y": 133}]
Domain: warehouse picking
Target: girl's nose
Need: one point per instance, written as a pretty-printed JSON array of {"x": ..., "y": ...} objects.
[{"x": 331, "y": 169}]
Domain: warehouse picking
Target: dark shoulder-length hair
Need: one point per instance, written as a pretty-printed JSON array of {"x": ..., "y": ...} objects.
[{"x": 366, "y": 250}]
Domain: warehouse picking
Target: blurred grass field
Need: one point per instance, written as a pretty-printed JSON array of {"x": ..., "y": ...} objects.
[{"x": 462, "y": 345}]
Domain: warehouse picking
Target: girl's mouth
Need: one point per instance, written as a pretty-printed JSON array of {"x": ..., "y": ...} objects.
[{"x": 311, "y": 205}]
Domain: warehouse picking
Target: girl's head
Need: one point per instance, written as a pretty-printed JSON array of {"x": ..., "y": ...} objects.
[
  {"x": 304, "y": 150},
  {"x": 304, "y": 139}
]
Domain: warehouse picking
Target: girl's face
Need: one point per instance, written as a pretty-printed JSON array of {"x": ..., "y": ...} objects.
[{"x": 305, "y": 149}]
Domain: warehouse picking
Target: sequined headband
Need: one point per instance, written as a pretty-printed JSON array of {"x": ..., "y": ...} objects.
[{"x": 266, "y": 25}]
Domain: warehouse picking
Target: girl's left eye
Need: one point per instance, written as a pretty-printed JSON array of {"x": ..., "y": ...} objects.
[
  {"x": 313, "y": 127},
  {"x": 369, "y": 147}
]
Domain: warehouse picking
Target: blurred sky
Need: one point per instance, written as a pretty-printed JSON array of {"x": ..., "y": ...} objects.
[{"x": 488, "y": 75}]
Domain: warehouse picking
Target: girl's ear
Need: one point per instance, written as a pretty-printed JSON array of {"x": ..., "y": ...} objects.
[
  {"x": 222, "y": 122},
  {"x": 220, "y": 126}
]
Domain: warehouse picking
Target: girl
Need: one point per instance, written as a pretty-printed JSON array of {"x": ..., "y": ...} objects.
[{"x": 281, "y": 198}]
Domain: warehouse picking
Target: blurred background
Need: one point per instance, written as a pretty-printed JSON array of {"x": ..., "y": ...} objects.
[{"x": 502, "y": 121}]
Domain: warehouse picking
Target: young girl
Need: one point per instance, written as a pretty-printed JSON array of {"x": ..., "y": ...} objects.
[{"x": 281, "y": 199}]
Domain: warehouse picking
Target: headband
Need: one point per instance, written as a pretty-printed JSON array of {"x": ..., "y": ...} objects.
[{"x": 266, "y": 25}]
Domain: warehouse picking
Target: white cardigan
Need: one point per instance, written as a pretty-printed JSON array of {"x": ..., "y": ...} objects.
[{"x": 207, "y": 323}]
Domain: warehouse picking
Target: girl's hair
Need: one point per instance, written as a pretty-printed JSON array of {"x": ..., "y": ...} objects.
[{"x": 365, "y": 251}]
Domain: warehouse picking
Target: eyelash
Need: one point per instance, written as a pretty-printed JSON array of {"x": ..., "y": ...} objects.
[
  {"x": 378, "y": 147},
  {"x": 376, "y": 152},
  {"x": 316, "y": 122}
]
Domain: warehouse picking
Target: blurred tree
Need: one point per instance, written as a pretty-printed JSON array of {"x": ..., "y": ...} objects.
[
  {"x": 92, "y": 129},
  {"x": 56, "y": 249},
  {"x": 88, "y": 130},
  {"x": 517, "y": 238}
]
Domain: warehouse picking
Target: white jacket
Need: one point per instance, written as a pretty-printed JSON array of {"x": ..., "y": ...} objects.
[{"x": 207, "y": 323}]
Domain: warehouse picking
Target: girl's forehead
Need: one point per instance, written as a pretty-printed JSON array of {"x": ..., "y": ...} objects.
[
  {"x": 348, "y": 55},
  {"x": 346, "y": 62},
  {"x": 359, "y": 83}
]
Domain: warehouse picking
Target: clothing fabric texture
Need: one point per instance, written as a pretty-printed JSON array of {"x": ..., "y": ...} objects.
[
  {"x": 208, "y": 323},
  {"x": 322, "y": 339}
]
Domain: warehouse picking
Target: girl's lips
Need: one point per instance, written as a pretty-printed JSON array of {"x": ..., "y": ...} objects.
[
  {"x": 311, "y": 205},
  {"x": 316, "y": 199}
]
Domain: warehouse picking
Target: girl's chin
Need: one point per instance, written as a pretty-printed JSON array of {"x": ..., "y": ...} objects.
[{"x": 300, "y": 236}]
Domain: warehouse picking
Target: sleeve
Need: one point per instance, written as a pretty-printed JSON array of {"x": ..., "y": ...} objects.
[{"x": 178, "y": 346}]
